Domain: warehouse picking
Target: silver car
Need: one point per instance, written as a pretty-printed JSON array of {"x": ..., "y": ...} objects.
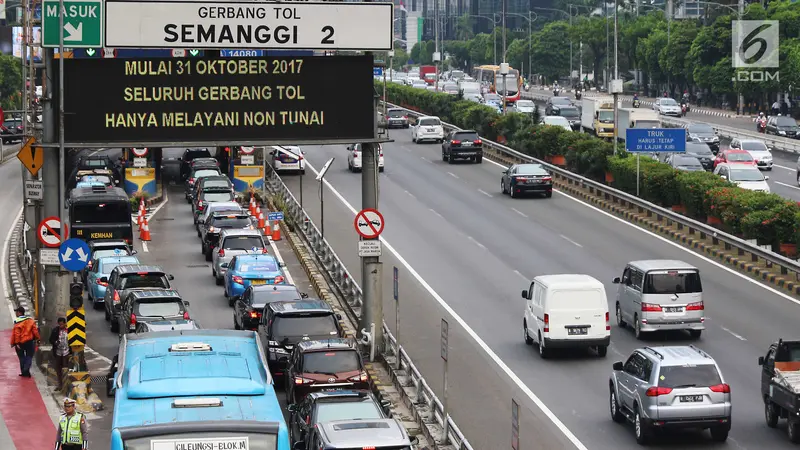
[
  {"x": 233, "y": 242},
  {"x": 660, "y": 295},
  {"x": 661, "y": 388}
]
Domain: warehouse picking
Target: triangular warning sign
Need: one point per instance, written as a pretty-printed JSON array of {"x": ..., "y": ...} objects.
[{"x": 31, "y": 157}]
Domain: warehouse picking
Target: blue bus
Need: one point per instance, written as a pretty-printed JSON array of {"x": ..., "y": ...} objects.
[{"x": 195, "y": 389}]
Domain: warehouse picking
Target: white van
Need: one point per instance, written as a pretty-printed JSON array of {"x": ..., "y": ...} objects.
[{"x": 566, "y": 311}]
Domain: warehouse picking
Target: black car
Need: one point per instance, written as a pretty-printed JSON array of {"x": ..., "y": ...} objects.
[
  {"x": 554, "y": 103},
  {"x": 150, "y": 305},
  {"x": 462, "y": 144},
  {"x": 703, "y": 132},
  {"x": 189, "y": 155},
  {"x": 783, "y": 126},
  {"x": 213, "y": 181},
  {"x": 571, "y": 113},
  {"x": 249, "y": 307},
  {"x": 396, "y": 118},
  {"x": 284, "y": 324},
  {"x": 685, "y": 163},
  {"x": 334, "y": 404},
  {"x": 521, "y": 179},
  {"x": 11, "y": 130},
  {"x": 171, "y": 164},
  {"x": 218, "y": 222},
  {"x": 126, "y": 278},
  {"x": 195, "y": 174},
  {"x": 702, "y": 152}
]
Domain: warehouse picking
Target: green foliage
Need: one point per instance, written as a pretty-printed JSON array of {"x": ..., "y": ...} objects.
[{"x": 10, "y": 82}]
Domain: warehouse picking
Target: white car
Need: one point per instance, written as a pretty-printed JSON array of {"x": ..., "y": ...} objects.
[
  {"x": 526, "y": 106},
  {"x": 557, "y": 121},
  {"x": 355, "y": 158},
  {"x": 744, "y": 176},
  {"x": 419, "y": 84},
  {"x": 757, "y": 149},
  {"x": 410, "y": 79},
  {"x": 287, "y": 158},
  {"x": 427, "y": 128},
  {"x": 667, "y": 107}
]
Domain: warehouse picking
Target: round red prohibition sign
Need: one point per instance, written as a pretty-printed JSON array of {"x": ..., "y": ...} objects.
[
  {"x": 49, "y": 232},
  {"x": 247, "y": 150},
  {"x": 140, "y": 152},
  {"x": 369, "y": 223}
]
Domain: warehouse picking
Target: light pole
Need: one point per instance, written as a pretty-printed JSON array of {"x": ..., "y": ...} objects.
[
  {"x": 530, "y": 37},
  {"x": 504, "y": 64}
]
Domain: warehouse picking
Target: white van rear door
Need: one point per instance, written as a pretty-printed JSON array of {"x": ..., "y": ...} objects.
[{"x": 577, "y": 314}]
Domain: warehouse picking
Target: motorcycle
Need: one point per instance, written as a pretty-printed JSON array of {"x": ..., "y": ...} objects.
[
  {"x": 578, "y": 94},
  {"x": 684, "y": 108},
  {"x": 556, "y": 92},
  {"x": 527, "y": 87},
  {"x": 636, "y": 103},
  {"x": 761, "y": 125}
]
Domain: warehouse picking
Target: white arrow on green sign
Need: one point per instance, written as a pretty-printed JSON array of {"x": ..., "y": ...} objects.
[{"x": 83, "y": 24}]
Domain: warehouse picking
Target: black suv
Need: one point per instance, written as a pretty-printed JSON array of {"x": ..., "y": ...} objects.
[
  {"x": 126, "y": 278},
  {"x": 249, "y": 307},
  {"x": 554, "y": 105},
  {"x": 196, "y": 174},
  {"x": 189, "y": 155},
  {"x": 783, "y": 126},
  {"x": 334, "y": 404},
  {"x": 151, "y": 305},
  {"x": 217, "y": 222},
  {"x": 285, "y": 324},
  {"x": 462, "y": 144},
  {"x": 212, "y": 181}
]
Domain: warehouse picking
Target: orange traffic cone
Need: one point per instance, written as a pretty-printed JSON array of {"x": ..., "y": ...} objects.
[
  {"x": 140, "y": 219},
  {"x": 261, "y": 223},
  {"x": 276, "y": 231},
  {"x": 266, "y": 229},
  {"x": 145, "y": 232}
]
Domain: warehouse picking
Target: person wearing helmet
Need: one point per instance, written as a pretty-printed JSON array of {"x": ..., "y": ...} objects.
[{"x": 72, "y": 432}]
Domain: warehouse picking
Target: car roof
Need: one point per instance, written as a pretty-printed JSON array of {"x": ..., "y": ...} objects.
[
  {"x": 678, "y": 355},
  {"x": 240, "y": 232},
  {"x": 573, "y": 281},
  {"x": 742, "y": 141},
  {"x": 304, "y": 305},
  {"x": 257, "y": 257},
  {"x": 110, "y": 243},
  {"x": 327, "y": 344},
  {"x": 275, "y": 287},
  {"x": 531, "y": 166},
  {"x": 136, "y": 268},
  {"x": 223, "y": 205},
  {"x": 466, "y": 131},
  {"x": 736, "y": 150},
  {"x": 336, "y": 394},
  {"x": 661, "y": 264},
  {"x": 429, "y": 117},
  {"x": 154, "y": 293},
  {"x": 362, "y": 432},
  {"x": 171, "y": 325},
  {"x": 128, "y": 259}
]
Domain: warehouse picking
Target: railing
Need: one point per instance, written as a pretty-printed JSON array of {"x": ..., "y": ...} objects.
[
  {"x": 507, "y": 155},
  {"x": 352, "y": 294}
]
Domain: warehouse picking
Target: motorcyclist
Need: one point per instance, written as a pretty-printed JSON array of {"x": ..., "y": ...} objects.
[
  {"x": 635, "y": 100},
  {"x": 761, "y": 122}
]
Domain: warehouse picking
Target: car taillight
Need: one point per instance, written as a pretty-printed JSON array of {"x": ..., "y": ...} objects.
[
  {"x": 211, "y": 229},
  {"x": 221, "y": 253},
  {"x": 254, "y": 315},
  {"x": 186, "y": 315},
  {"x": 133, "y": 319},
  {"x": 649, "y": 307},
  {"x": 301, "y": 380},
  {"x": 721, "y": 388},
  {"x": 520, "y": 178},
  {"x": 89, "y": 265},
  {"x": 656, "y": 391},
  {"x": 696, "y": 306},
  {"x": 405, "y": 117},
  {"x": 116, "y": 297},
  {"x": 455, "y": 142},
  {"x": 101, "y": 283},
  {"x": 547, "y": 179},
  {"x": 360, "y": 377},
  {"x": 264, "y": 250},
  {"x": 200, "y": 206},
  {"x": 546, "y": 323},
  {"x": 238, "y": 280},
  {"x": 191, "y": 180},
  {"x": 355, "y": 154},
  {"x": 477, "y": 142},
  {"x": 279, "y": 279},
  {"x": 608, "y": 323}
]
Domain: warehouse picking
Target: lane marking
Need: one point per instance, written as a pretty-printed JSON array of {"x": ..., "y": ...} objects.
[
  {"x": 144, "y": 247},
  {"x": 434, "y": 211},
  {"x": 521, "y": 275},
  {"x": 783, "y": 167},
  {"x": 476, "y": 242},
  {"x": 484, "y": 346},
  {"x": 676, "y": 245},
  {"x": 737, "y": 336},
  {"x": 410, "y": 194},
  {"x": 485, "y": 193},
  {"x": 278, "y": 256},
  {"x": 452, "y": 174},
  {"x": 427, "y": 160},
  {"x": 787, "y": 185},
  {"x": 519, "y": 212},
  {"x": 152, "y": 214},
  {"x": 570, "y": 241}
]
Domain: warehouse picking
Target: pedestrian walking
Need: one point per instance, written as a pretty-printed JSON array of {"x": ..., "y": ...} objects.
[
  {"x": 60, "y": 349},
  {"x": 24, "y": 337},
  {"x": 71, "y": 433}
]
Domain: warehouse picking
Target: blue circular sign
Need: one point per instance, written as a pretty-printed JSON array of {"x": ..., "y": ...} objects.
[{"x": 74, "y": 254}]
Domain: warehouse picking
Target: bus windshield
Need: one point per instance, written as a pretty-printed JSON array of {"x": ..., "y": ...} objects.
[
  {"x": 198, "y": 440},
  {"x": 511, "y": 83},
  {"x": 111, "y": 212}
]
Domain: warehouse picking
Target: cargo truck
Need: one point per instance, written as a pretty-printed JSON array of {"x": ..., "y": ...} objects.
[
  {"x": 597, "y": 116},
  {"x": 780, "y": 386},
  {"x": 428, "y": 73},
  {"x": 636, "y": 118}
]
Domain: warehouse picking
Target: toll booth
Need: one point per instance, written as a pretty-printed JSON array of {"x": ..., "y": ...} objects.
[
  {"x": 139, "y": 175},
  {"x": 246, "y": 168}
]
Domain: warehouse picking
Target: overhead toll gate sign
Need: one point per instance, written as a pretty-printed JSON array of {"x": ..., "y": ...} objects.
[
  {"x": 231, "y": 101},
  {"x": 270, "y": 25}
]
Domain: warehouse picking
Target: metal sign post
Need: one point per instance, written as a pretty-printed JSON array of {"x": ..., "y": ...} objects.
[
  {"x": 397, "y": 316},
  {"x": 653, "y": 140},
  {"x": 514, "y": 425},
  {"x": 445, "y": 414}
]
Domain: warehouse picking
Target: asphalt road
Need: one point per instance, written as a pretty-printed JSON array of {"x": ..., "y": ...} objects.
[{"x": 476, "y": 250}]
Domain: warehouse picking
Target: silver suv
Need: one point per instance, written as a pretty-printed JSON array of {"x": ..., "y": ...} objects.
[{"x": 670, "y": 387}]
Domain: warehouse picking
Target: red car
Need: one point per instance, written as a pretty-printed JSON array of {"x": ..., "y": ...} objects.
[{"x": 734, "y": 157}]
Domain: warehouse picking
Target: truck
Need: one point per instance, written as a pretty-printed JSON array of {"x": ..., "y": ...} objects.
[
  {"x": 470, "y": 87},
  {"x": 597, "y": 116},
  {"x": 780, "y": 386},
  {"x": 428, "y": 73},
  {"x": 636, "y": 118}
]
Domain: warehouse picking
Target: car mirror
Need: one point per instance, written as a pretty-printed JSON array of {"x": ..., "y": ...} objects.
[
  {"x": 110, "y": 388},
  {"x": 723, "y": 177},
  {"x": 766, "y": 178},
  {"x": 617, "y": 366},
  {"x": 134, "y": 252},
  {"x": 338, "y": 316},
  {"x": 291, "y": 408},
  {"x": 414, "y": 440},
  {"x": 170, "y": 277},
  {"x": 224, "y": 265},
  {"x": 525, "y": 294},
  {"x": 104, "y": 279},
  {"x": 349, "y": 147},
  {"x": 616, "y": 280},
  {"x": 187, "y": 303},
  {"x": 760, "y": 360},
  {"x": 281, "y": 264},
  {"x": 299, "y": 445}
]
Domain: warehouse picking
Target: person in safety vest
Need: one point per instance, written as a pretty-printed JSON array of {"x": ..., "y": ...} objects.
[
  {"x": 24, "y": 337},
  {"x": 71, "y": 433}
]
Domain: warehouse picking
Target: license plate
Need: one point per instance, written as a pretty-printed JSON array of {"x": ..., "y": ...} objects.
[
  {"x": 691, "y": 398},
  {"x": 431, "y": 130},
  {"x": 467, "y": 144},
  {"x": 674, "y": 309},
  {"x": 258, "y": 282},
  {"x": 577, "y": 331}
]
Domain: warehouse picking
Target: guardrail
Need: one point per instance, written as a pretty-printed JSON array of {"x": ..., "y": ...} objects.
[
  {"x": 352, "y": 294},
  {"x": 507, "y": 155}
]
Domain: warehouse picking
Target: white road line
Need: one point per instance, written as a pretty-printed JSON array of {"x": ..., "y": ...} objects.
[
  {"x": 485, "y": 193},
  {"x": 485, "y": 347},
  {"x": 410, "y": 194},
  {"x": 452, "y": 174},
  {"x": 570, "y": 240},
  {"x": 144, "y": 247},
  {"x": 787, "y": 185},
  {"x": 784, "y": 167},
  {"x": 615, "y": 351},
  {"x": 674, "y": 244},
  {"x": 434, "y": 211},
  {"x": 278, "y": 256},
  {"x": 521, "y": 275},
  {"x": 427, "y": 160},
  {"x": 737, "y": 336},
  {"x": 476, "y": 242},
  {"x": 519, "y": 212}
]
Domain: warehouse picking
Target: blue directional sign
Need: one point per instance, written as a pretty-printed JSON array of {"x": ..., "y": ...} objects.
[
  {"x": 274, "y": 216},
  {"x": 377, "y": 71},
  {"x": 74, "y": 254},
  {"x": 655, "y": 140},
  {"x": 234, "y": 53}
]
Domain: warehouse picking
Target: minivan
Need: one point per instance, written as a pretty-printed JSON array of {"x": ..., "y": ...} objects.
[
  {"x": 566, "y": 311},
  {"x": 657, "y": 295},
  {"x": 377, "y": 434}
]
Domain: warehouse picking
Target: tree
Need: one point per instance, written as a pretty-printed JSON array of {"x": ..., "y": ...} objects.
[
  {"x": 550, "y": 56},
  {"x": 10, "y": 82},
  {"x": 464, "y": 28},
  {"x": 592, "y": 32}
]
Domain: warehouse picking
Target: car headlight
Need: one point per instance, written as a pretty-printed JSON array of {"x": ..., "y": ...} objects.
[
  {"x": 782, "y": 133},
  {"x": 693, "y": 136}
]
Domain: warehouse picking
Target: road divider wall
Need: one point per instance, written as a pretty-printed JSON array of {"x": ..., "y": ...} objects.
[{"x": 675, "y": 204}]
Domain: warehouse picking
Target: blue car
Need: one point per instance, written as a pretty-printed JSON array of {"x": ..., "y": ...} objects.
[
  {"x": 251, "y": 270},
  {"x": 102, "y": 267}
]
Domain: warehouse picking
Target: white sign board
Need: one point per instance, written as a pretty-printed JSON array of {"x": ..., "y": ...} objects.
[
  {"x": 271, "y": 25},
  {"x": 34, "y": 190},
  {"x": 49, "y": 257},
  {"x": 369, "y": 248},
  {"x": 139, "y": 162},
  {"x": 248, "y": 160},
  {"x": 218, "y": 443}
]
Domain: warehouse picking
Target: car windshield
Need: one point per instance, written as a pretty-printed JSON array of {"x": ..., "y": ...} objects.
[
  {"x": 754, "y": 146},
  {"x": 739, "y": 156},
  {"x": 700, "y": 128},
  {"x": 572, "y": 113},
  {"x": 231, "y": 222},
  {"x": 331, "y": 362},
  {"x": 205, "y": 173},
  {"x": 704, "y": 375},
  {"x": 556, "y": 120},
  {"x": 258, "y": 266},
  {"x": 297, "y": 326},
  {"x": 672, "y": 282},
  {"x": 220, "y": 183},
  {"x": 687, "y": 162},
  {"x": 327, "y": 411},
  {"x": 217, "y": 196},
  {"x": 199, "y": 153},
  {"x": 430, "y": 122},
  {"x": 466, "y": 136},
  {"x": 106, "y": 266},
  {"x": 110, "y": 212},
  {"x": 396, "y": 113},
  {"x": 606, "y": 116},
  {"x": 159, "y": 307},
  {"x": 531, "y": 169},
  {"x": 109, "y": 252},
  {"x": 525, "y": 104},
  {"x": 242, "y": 243},
  {"x": 785, "y": 122},
  {"x": 451, "y": 89},
  {"x": 561, "y": 101},
  {"x": 746, "y": 175},
  {"x": 698, "y": 149},
  {"x": 668, "y": 102},
  {"x": 145, "y": 280},
  {"x": 95, "y": 163},
  {"x": 264, "y": 296}
]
